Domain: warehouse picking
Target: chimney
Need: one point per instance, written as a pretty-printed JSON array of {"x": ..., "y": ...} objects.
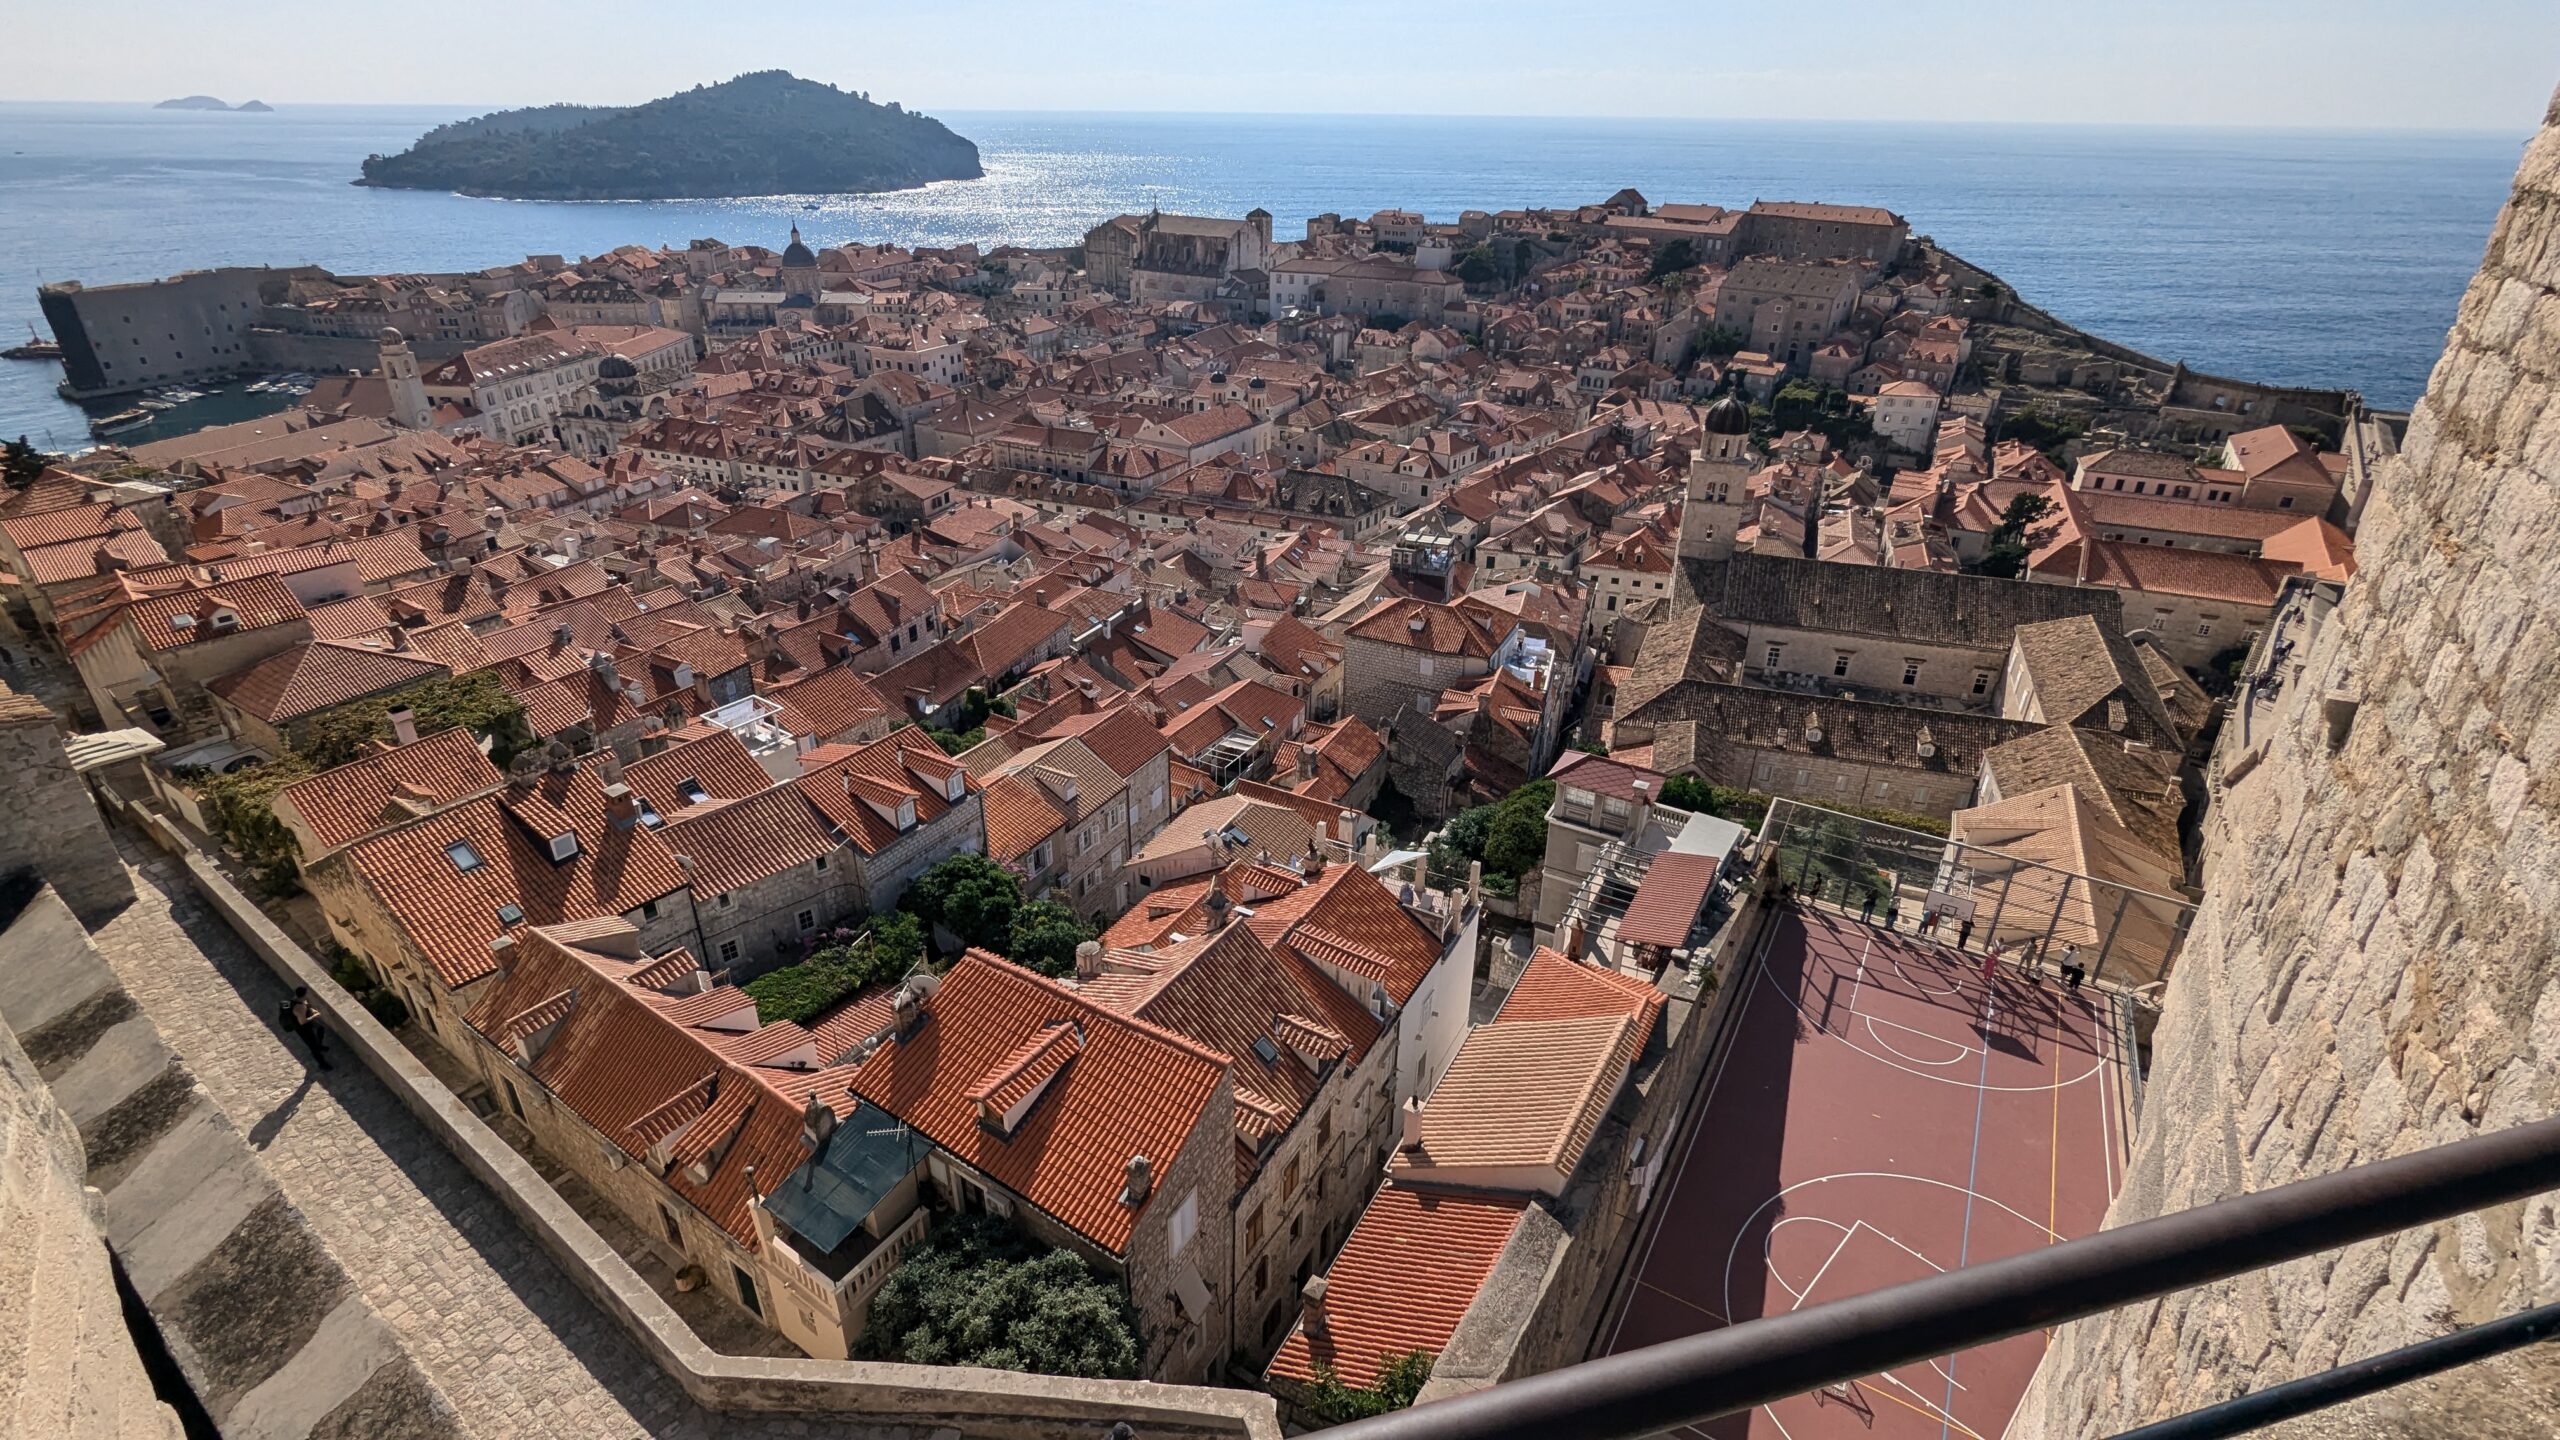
[
  {"x": 1410, "y": 1121},
  {"x": 1139, "y": 1180},
  {"x": 404, "y": 725},
  {"x": 1088, "y": 959},
  {"x": 1313, "y": 1315},
  {"x": 1306, "y": 762}
]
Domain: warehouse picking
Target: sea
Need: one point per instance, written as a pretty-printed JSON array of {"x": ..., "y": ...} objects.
[{"x": 2304, "y": 257}]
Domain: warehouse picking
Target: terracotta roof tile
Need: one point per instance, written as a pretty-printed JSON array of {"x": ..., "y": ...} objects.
[
  {"x": 1134, "y": 1089},
  {"x": 1379, "y": 1304},
  {"x": 391, "y": 787}
]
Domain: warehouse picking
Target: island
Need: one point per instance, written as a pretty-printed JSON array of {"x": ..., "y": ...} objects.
[
  {"x": 767, "y": 133},
  {"x": 254, "y": 107},
  {"x": 192, "y": 102}
]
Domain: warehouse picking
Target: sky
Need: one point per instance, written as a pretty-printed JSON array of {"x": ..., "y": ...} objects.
[{"x": 2336, "y": 64}]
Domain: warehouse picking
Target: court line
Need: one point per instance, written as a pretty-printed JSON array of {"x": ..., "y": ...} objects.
[
  {"x": 1973, "y": 1172},
  {"x": 1643, "y": 1284},
  {"x": 2096, "y": 1066},
  {"x": 1734, "y": 1250}
]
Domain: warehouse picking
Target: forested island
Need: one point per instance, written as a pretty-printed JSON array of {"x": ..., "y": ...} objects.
[{"x": 768, "y": 133}]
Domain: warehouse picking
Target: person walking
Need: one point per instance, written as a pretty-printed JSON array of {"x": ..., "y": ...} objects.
[
  {"x": 1867, "y": 911},
  {"x": 2073, "y": 972},
  {"x": 1964, "y": 934},
  {"x": 305, "y": 1018}
]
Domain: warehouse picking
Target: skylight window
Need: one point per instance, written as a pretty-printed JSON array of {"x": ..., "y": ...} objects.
[
  {"x": 464, "y": 858},
  {"x": 1269, "y": 1052},
  {"x": 692, "y": 791},
  {"x": 510, "y": 915}
]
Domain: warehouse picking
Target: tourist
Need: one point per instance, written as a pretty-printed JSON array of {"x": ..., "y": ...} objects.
[
  {"x": 1964, "y": 934},
  {"x": 304, "y": 1017},
  {"x": 1990, "y": 960},
  {"x": 1867, "y": 911}
]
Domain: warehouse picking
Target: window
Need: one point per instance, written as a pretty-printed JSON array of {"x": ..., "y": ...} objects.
[
  {"x": 1289, "y": 1179},
  {"x": 1910, "y": 672},
  {"x": 1261, "y": 1275},
  {"x": 667, "y": 1223},
  {"x": 2205, "y": 629},
  {"x": 728, "y": 950},
  {"x": 515, "y": 1102},
  {"x": 464, "y": 858},
  {"x": 1840, "y": 663},
  {"x": 1324, "y": 1130},
  {"x": 1981, "y": 682},
  {"x": 1253, "y": 1228},
  {"x": 747, "y": 1292},
  {"x": 1185, "y": 1224},
  {"x": 1426, "y": 665},
  {"x": 510, "y": 915},
  {"x": 648, "y": 909},
  {"x": 1773, "y": 657}
]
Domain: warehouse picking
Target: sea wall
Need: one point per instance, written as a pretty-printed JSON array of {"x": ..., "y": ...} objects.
[{"x": 2373, "y": 969}]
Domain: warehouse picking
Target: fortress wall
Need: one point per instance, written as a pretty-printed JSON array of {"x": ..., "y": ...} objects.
[{"x": 2374, "y": 967}]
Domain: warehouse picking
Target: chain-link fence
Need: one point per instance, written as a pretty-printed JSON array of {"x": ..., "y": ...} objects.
[{"x": 1973, "y": 897}]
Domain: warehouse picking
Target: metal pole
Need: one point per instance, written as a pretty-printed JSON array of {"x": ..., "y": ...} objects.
[
  {"x": 2054, "y": 923},
  {"x": 1699, "y": 1377},
  {"x": 2107, "y": 942},
  {"x": 2363, "y": 1377}
]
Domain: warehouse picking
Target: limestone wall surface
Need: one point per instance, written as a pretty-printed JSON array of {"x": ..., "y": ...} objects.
[
  {"x": 67, "y": 1361},
  {"x": 2373, "y": 970}
]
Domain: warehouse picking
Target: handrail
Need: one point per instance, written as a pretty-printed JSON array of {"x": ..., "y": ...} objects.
[{"x": 1699, "y": 1377}]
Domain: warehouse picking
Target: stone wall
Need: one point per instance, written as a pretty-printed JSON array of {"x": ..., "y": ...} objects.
[
  {"x": 68, "y": 1365},
  {"x": 2373, "y": 968},
  {"x": 270, "y": 1332},
  {"x": 53, "y": 828}
]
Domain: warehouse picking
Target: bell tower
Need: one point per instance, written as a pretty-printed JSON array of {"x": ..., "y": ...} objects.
[
  {"x": 1719, "y": 472},
  {"x": 400, "y": 376}
]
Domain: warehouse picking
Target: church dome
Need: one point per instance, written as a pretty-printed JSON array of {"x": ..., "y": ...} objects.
[
  {"x": 615, "y": 367},
  {"x": 796, "y": 254},
  {"x": 1728, "y": 416}
]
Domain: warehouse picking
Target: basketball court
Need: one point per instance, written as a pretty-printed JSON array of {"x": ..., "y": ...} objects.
[{"x": 1882, "y": 1114}]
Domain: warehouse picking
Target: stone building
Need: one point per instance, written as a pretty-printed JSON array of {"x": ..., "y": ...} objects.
[
  {"x": 54, "y": 831},
  {"x": 2373, "y": 968}
]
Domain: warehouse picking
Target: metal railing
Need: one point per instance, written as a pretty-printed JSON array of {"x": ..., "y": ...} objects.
[
  {"x": 1701, "y": 1377},
  {"x": 1972, "y": 896}
]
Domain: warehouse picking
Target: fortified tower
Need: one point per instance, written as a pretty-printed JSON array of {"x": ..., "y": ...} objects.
[
  {"x": 1712, "y": 509},
  {"x": 400, "y": 375},
  {"x": 2376, "y": 965}
]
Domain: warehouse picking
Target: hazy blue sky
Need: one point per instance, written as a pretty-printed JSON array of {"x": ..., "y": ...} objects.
[{"x": 2440, "y": 64}]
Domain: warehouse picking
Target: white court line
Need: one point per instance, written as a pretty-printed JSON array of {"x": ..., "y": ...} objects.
[
  {"x": 2095, "y": 1067},
  {"x": 1733, "y": 1253},
  {"x": 1769, "y": 1243},
  {"x": 1963, "y": 1051},
  {"x": 2106, "y": 1107},
  {"x": 1706, "y": 1106}
]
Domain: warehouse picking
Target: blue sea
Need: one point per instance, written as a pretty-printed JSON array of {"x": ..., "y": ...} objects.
[{"x": 2300, "y": 257}]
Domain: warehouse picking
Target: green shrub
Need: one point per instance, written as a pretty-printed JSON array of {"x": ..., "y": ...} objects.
[
  {"x": 850, "y": 961},
  {"x": 979, "y": 1292},
  {"x": 387, "y": 1008},
  {"x": 1400, "y": 1380}
]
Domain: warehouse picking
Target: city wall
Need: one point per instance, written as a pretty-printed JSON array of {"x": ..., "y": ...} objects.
[{"x": 2373, "y": 969}]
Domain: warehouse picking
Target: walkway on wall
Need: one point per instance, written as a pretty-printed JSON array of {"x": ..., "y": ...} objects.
[{"x": 516, "y": 1347}]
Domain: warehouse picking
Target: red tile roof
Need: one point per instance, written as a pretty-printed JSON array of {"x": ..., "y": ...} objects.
[
  {"x": 343, "y": 805},
  {"x": 1345, "y": 919},
  {"x": 1019, "y": 816},
  {"x": 1379, "y": 1303},
  {"x": 451, "y": 915},
  {"x": 1668, "y": 899},
  {"x": 1554, "y": 987},
  {"x": 316, "y": 675},
  {"x": 1133, "y": 1089}
]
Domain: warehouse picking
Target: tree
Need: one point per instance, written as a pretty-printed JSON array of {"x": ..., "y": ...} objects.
[
  {"x": 1478, "y": 267},
  {"x": 980, "y": 1292},
  {"x": 969, "y": 895},
  {"x": 23, "y": 463},
  {"x": 1677, "y": 255},
  {"x": 1045, "y": 937},
  {"x": 1516, "y": 842},
  {"x": 1523, "y": 255},
  {"x": 2008, "y": 553},
  {"x": 849, "y": 961}
]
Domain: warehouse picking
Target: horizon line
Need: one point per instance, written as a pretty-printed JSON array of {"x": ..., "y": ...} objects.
[{"x": 2523, "y": 131}]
